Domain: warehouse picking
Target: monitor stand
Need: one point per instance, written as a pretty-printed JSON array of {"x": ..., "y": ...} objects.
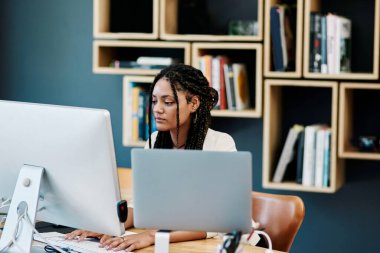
[
  {"x": 162, "y": 241},
  {"x": 25, "y": 200}
]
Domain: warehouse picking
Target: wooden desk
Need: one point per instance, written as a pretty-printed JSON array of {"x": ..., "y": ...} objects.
[{"x": 207, "y": 245}]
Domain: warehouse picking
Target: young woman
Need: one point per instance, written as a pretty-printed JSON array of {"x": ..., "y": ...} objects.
[{"x": 181, "y": 100}]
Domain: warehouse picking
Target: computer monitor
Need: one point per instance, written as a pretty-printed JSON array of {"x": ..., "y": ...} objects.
[
  {"x": 192, "y": 190},
  {"x": 71, "y": 150}
]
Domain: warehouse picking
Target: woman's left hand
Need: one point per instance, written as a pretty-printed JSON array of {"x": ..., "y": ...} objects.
[{"x": 129, "y": 242}]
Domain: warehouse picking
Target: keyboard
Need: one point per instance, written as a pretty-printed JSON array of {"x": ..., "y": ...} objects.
[{"x": 85, "y": 246}]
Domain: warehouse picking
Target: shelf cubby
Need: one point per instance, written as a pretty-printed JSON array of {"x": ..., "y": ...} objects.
[
  {"x": 365, "y": 45},
  {"x": 128, "y": 81},
  {"x": 208, "y": 20},
  {"x": 125, "y": 19},
  {"x": 107, "y": 51},
  {"x": 298, "y": 36},
  {"x": 248, "y": 53},
  {"x": 289, "y": 102},
  {"x": 358, "y": 116}
]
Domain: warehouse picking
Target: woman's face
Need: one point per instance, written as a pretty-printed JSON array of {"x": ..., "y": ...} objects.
[{"x": 164, "y": 107}]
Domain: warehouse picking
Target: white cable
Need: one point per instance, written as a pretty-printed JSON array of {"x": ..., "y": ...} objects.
[
  {"x": 43, "y": 239},
  {"x": 269, "y": 250}
]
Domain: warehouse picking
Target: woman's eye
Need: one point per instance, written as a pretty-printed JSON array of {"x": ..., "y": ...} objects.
[
  {"x": 168, "y": 103},
  {"x": 154, "y": 102}
]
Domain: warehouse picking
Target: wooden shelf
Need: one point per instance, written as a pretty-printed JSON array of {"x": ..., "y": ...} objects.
[
  {"x": 365, "y": 46},
  {"x": 289, "y": 102},
  {"x": 126, "y": 19},
  {"x": 357, "y": 100},
  {"x": 268, "y": 70},
  {"x": 145, "y": 81},
  {"x": 247, "y": 53},
  {"x": 105, "y": 51},
  {"x": 172, "y": 28}
]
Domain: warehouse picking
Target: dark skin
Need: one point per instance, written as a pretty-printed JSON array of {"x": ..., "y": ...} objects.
[{"x": 164, "y": 109}]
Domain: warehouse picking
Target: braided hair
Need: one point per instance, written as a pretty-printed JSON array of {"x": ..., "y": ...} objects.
[{"x": 191, "y": 80}]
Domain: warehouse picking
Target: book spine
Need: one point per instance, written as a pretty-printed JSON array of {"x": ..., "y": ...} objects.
[
  {"x": 319, "y": 157},
  {"x": 324, "y": 45},
  {"x": 216, "y": 78},
  {"x": 308, "y": 173},
  {"x": 241, "y": 86},
  {"x": 327, "y": 159},
  {"x": 230, "y": 90},
  {"x": 300, "y": 151},
  {"x": 278, "y": 62}
]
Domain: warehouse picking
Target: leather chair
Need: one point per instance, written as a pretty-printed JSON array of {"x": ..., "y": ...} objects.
[{"x": 280, "y": 215}]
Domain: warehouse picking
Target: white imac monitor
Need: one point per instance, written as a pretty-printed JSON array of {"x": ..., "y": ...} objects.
[{"x": 58, "y": 162}]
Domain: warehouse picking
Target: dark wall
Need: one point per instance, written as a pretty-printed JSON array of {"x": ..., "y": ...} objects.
[{"x": 46, "y": 57}]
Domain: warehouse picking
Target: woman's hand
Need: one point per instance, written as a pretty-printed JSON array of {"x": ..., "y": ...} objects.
[
  {"x": 129, "y": 242},
  {"x": 82, "y": 234}
]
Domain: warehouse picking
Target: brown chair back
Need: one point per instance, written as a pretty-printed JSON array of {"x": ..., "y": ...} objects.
[{"x": 280, "y": 215}]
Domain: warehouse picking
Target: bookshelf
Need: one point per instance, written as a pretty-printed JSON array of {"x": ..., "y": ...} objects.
[
  {"x": 248, "y": 53},
  {"x": 208, "y": 20},
  {"x": 125, "y": 19},
  {"x": 298, "y": 37},
  {"x": 173, "y": 28},
  {"x": 358, "y": 117},
  {"x": 128, "y": 81},
  {"x": 106, "y": 51},
  {"x": 365, "y": 45},
  {"x": 289, "y": 102}
]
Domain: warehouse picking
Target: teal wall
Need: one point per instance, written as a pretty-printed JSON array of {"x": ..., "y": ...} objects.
[{"x": 46, "y": 57}]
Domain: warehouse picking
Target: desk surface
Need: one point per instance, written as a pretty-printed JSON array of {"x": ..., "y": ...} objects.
[{"x": 208, "y": 245}]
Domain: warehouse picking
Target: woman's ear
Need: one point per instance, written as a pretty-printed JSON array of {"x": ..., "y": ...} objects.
[{"x": 195, "y": 103}]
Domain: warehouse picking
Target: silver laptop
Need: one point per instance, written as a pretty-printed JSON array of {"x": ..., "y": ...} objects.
[{"x": 192, "y": 190}]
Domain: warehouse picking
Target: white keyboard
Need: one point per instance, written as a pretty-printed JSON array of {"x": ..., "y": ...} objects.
[{"x": 85, "y": 246}]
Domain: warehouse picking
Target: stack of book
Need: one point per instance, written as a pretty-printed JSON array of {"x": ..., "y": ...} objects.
[
  {"x": 330, "y": 43},
  {"x": 229, "y": 79},
  {"x": 136, "y": 113},
  {"x": 308, "y": 150},
  {"x": 145, "y": 62}
]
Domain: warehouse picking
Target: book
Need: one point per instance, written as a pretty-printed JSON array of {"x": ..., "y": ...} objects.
[
  {"x": 215, "y": 73},
  {"x": 230, "y": 89},
  {"x": 241, "y": 86},
  {"x": 326, "y": 159},
  {"x": 151, "y": 60},
  {"x": 344, "y": 44},
  {"x": 319, "y": 156},
  {"x": 300, "y": 150},
  {"x": 315, "y": 42},
  {"x": 287, "y": 153},
  {"x": 308, "y": 172},
  {"x": 331, "y": 27},
  {"x": 324, "y": 69},
  {"x": 223, "y": 96},
  {"x": 275, "y": 27}
]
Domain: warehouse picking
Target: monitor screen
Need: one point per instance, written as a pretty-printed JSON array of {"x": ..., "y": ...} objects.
[{"x": 74, "y": 146}]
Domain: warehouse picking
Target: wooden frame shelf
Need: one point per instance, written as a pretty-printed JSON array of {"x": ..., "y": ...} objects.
[
  {"x": 106, "y": 51},
  {"x": 146, "y": 81},
  {"x": 170, "y": 22},
  {"x": 357, "y": 100},
  {"x": 282, "y": 110},
  {"x": 268, "y": 71},
  {"x": 112, "y": 21},
  {"x": 248, "y": 53},
  {"x": 365, "y": 46}
]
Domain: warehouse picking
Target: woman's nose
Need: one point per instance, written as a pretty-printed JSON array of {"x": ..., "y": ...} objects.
[{"x": 158, "y": 108}]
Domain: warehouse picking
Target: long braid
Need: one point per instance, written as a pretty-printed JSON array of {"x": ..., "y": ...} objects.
[{"x": 187, "y": 78}]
